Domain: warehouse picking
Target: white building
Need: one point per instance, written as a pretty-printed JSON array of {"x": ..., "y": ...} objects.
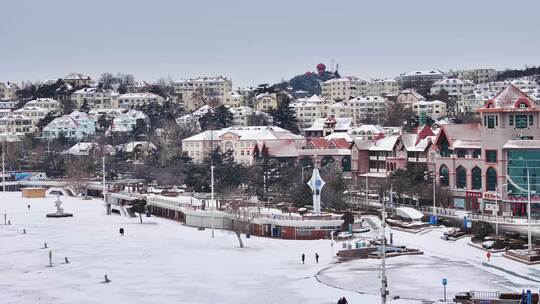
[
  {"x": 95, "y": 98},
  {"x": 8, "y": 105},
  {"x": 130, "y": 100},
  {"x": 8, "y": 90},
  {"x": 409, "y": 96},
  {"x": 241, "y": 141},
  {"x": 242, "y": 114},
  {"x": 234, "y": 99},
  {"x": 75, "y": 126},
  {"x": 363, "y": 108},
  {"x": 210, "y": 87},
  {"x": 455, "y": 87},
  {"x": 309, "y": 109},
  {"x": 33, "y": 113},
  {"x": 434, "y": 109},
  {"x": 382, "y": 87},
  {"x": 77, "y": 79},
  {"x": 265, "y": 101},
  {"x": 16, "y": 123},
  {"x": 48, "y": 104},
  {"x": 344, "y": 88},
  {"x": 478, "y": 75},
  {"x": 367, "y": 132},
  {"x": 125, "y": 122}
]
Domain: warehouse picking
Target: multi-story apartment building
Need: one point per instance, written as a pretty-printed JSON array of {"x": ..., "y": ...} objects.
[
  {"x": 76, "y": 125},
  {"x": 33, "y": 113},
  {"x": 234, "y": 99},
  {"x": 265, "y": 102},
  {"x": 196, "y": 91},
  {"x": 242, "y": 142},
  {"x": 8, "y": 90},
  {"x": 130, "y": 100},
  {"x": 125, "y": 122},
  {"x": 477, "y": 75},
  {"x": 76, "y": 79},
  {"x": 345, "y": 88},
  {"x": 434, "y": 109},
  {"x": 309, "y": 109},
  {"x": 487, "y": 165},
  {"x": 48, "y": 104},
  {"x": 95, "y": 98},
  {"x": 241, "y": 116},
  {"x": 15, "y": 123},
  {"x": 455, "y": 87},
  {"x": 408, "y": 97},
  {"x": 364, "y": 108},
  {"x": 382, "y": 87},
  {"x": 420, "y": 80},
  {"x": 139, "y": 87}
]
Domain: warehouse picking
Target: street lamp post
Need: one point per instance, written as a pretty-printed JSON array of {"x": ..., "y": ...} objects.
[
  {"x": 529, "y": 236},
  {"x": 212, "y": 198}
]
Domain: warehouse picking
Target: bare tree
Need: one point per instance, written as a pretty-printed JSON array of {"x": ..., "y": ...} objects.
[
  {"x": 78, "y": 173},
  {"x": 205, "y": 96},
  {"x": 242, "y": 218}
]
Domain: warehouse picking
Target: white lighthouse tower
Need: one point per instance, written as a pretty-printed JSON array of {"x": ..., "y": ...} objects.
[{"x": 316, "y": 184}]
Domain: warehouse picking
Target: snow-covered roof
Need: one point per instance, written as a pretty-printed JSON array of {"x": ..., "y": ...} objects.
[
  {"x": 452, "y": 81},
  {"x": 424, "y": 72},
  {"x": 344, "y": 79},
  {"x": 522, "y": 144},
  {"x": 367, "y": 129},
  {"x": 414, "y": 93},
  {"x": 386, "y": 144},
  {"x": 139, "y": 95},
  {"x": 39, "y": 101},
  {"x": 342, "y": 123},
  {"x": 77, "y": 76},
  {"x": 508, "y": 99},
  {"x": 84, "y": 148},
  {"x": 246, "y": 133},
  {"x": 428, "y": 103},
  {"x": 203, "y": 79},
  {"x": 340, "y": 135},
  {"x": 130, "y": 146},
  {"x": 79, "y": 116}
]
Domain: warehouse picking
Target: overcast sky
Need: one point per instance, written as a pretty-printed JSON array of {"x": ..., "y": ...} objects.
[{"x": 262, "y": 41}]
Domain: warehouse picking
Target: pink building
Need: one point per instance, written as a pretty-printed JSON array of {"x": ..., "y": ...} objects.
[{"x": 485, "y": 164}]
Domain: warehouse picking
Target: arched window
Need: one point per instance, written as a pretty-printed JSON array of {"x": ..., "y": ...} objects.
[
  {"x": 444, "y": 174},
  {"x": 326, "y": 160},
  {"x": 476, "y": 174},
  {"x": 491, "y": 179},
  {"x": 346, "y": 163},
  {"x": 461, "y": 177}
]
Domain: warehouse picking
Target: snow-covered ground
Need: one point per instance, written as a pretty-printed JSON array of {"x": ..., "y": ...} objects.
[{"x": 163, "y": 261}]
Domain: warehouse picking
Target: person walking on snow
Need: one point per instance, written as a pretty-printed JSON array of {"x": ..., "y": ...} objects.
[
  {"x": 121, "y": 231},
  {"x": 303, "y": 258},
  {"x": 317, "y": 258}
]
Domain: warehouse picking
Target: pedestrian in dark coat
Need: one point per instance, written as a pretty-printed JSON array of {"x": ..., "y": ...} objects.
[
  {"x": 121, "y": 231},
  {"x": 303, "y": 258},
  {"x": 317, "y": 258}
]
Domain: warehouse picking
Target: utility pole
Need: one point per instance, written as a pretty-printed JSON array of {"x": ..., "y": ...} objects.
[
  {"x": 212, "y": 198},
  {"x": 3, "y": 165},
  {"x": 434, "y": 202},
  {"x": 367, "y": 190},
  {"x": 529, "y": 236},
  {"x": 384, "y": 282}
]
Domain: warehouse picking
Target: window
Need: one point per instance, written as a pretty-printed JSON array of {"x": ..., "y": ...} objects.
[
  {"x": 491, "y": 179},
  {"x": 491, "y": 121},
  {"x": 461, "y": 177},
  {"x": 477, "y": 153},
  {"x": 461, "y": 153},
  {"x": 476, "y": 174},
  {"x": 511, "y": 122},
  {"x": 444, "y": 174},
  {"x": 531, "y": 121},
  {"x": 521, "y": 121},
  {"x": 491, "y": 156}
]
